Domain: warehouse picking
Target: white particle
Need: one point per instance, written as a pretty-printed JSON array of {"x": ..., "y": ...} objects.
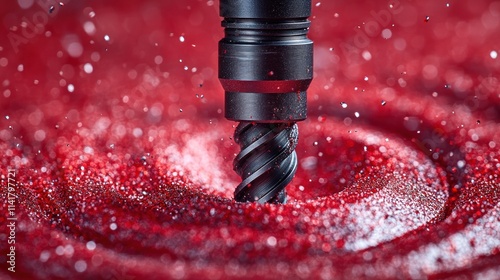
[
  {"x": 80, "y": 266},
  {"x": 113, "y": 226},
  {"x": 386, "y": 33},
  {"x": 106, "y": 38},
  {"x": 158, "y": 59},
  {"x": 461, "y": 164},
  {"x": 271, "y": 241},
  {"x": 493, "y": 54},
  {"x": 318, "y": 4},
  {"x": 366, "y": 55},
  {"x": 343, "y": 104},
  {"x": 89, "y": 28},
  {"x": 88, "y": 68},
  {"x": 71, "y": 88},
  {"x": 91, "y": 245},
  {"x": 39, "y": 135},
  {"x": 356, "y": 114},
  {"x": 20, "y": 68},
  {"x": 92, "y": 14},
  {"x": 4, "y": 61},
  {"x": 366, "y": 78},
  {"x": 181, "y": 38},
  {"x": 44, "y": 256}
]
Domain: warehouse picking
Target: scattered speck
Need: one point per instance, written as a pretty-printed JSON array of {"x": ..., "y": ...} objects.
[
  {"x": 180, "y": 110},
  {"x": 343, "y": 104},
  {"x": 318, "y": 4},
  {"x": 427, "y": 18},
  {"x": 356, "y": 114},
  {"x": 80, "y": 266},
  {"x": 478, "y": 122},
  {"x": 113, "y": 226},
  {"x": 106, "y": 38},
  {"x": 71, "y": 88},
  {"x": 461, "y": 164},
  {"x": 181, "y": 39},
  {"x": 447, "y": 5},
  {"x": 88, "y": 68},
  {"x": 493, "y": 54},
  {"x": 447, "y": 86},
  {"x": 271, "y": 241},
  {"x": 20, "y": 68},
  {"x": 383, "y": 102},
  {"x": 366, "y": 78},
  {"x": 51, "y": 9}
]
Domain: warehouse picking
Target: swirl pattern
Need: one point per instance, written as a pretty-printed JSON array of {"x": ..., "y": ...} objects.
[{"x": 111, "y": 122}]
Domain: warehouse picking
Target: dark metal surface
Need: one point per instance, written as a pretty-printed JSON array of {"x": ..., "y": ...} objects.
[{"x": 265, "y": 68}]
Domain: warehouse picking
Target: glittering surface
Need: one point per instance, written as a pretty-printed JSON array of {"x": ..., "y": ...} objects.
[{"x": 111, "y": 121}]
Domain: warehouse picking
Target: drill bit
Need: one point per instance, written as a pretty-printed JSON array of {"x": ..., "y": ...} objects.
[
  {"x": 267, "y": 161},
  {"x": 265, "y": 68}
]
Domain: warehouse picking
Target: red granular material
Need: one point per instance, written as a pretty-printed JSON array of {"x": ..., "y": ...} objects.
[{"x": 111, "y": 123}]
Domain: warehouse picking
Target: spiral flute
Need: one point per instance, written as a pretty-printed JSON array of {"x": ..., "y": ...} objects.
[
  {"x": 267, "y": 161},
  {"x": 265, "y": 68}
]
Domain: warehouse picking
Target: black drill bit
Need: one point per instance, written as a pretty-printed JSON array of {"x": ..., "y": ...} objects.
[
  {"x": 265, "y": 67},
  {"x": 265, "y": 174}
]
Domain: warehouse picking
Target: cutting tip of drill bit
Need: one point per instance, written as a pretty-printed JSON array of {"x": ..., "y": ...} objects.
[{"x": 267, "y": 161}]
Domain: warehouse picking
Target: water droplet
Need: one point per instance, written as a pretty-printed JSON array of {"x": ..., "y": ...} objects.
[
  {"x": 343, "y": 104},
  {"x": 427, "y": 18},
  {"x": 383, "y": 102}
]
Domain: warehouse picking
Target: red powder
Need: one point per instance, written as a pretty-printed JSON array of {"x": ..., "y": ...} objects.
[{"x": 114, "y": 144}]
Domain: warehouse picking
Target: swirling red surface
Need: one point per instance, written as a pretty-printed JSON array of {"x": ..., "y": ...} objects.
[{"x": 120, "y": 157}]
